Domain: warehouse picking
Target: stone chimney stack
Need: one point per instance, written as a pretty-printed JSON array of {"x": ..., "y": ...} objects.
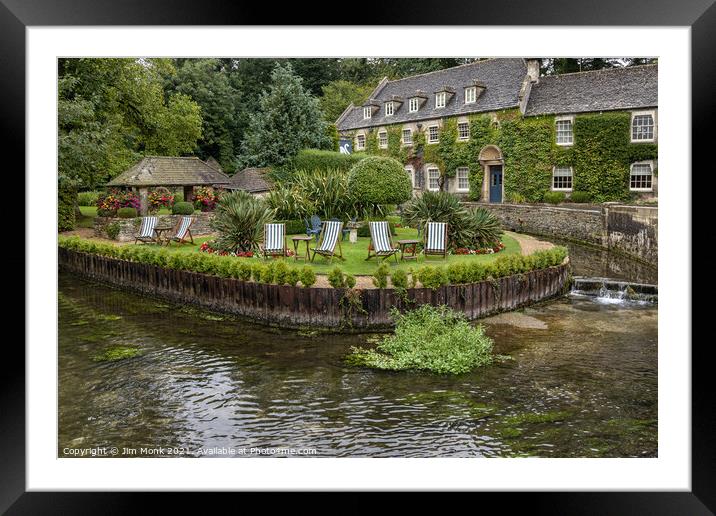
[{"x": 533, "y": 65}]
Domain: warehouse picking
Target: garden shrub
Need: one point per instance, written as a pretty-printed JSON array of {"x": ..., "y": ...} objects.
[
  {"x": 66, "y": 198},
  {"x": 399, "y": 279},
  {"x": 112, "y": 229},
  {"x": 294, "y": 226},
  {"x": 87, "y": 198},
  {"x": 313, "y": 159},
  {"x": 554, "y": 197},
  {"x": 339, "y": 280},
  {"x": 308, "y": 276},
  {"x": 435, "y": 339},
  {"x": 127, "y": 213},
  {"x": 239, "y": 221},
  {"x": 379, "y": 180},
  {"x": 293, "y": 276},
  {"x": 182, "y": 208},
  {"x": 205, "y": 198},
  {"x": 280, "y": 272},
  {"x": 109, "y": 202},
  {"x": 380, "y": 276},
  {"x": 580, "y": 197},
  {"x": 432, "y": 277}
]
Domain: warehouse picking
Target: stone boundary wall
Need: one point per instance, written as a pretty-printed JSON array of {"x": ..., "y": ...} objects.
[
  {"x": 632, "y": 230},
  {"x": 128, "y": 228},
  {"x": 296, "y": 307}
]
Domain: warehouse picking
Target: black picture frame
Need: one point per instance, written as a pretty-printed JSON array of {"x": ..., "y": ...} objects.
[{"x": 17, "y": 15}]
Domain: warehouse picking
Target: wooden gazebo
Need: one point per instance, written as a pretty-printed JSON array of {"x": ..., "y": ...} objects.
[{"x": 170, "y": 172}]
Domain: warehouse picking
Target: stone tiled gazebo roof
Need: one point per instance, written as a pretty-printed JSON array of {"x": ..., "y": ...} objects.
[
  {"x": 170, "y": 171},
  {"x": 253, "y": 180}
]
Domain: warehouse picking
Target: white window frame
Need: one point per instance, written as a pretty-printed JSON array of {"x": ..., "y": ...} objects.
[
  {"x": 571, "y": 176},
  {"x": 360, "y": 137},
  {"x": 389, "y": 109},
  {"x": 457, "y": 179},
  {"x": 472, "y": 91},
  {"x": 367, "y": 113},
  {"x": 410, "y": 131},
  {"x": 380, "y": 142},
  {"x": 411, "y": 172},
  {"x": 461, "y": 138},
  {"x": 429, "y": 171},
  {"x": 413, "y": 105},
  {"x": 651, "y": 169},
  {"x": 569, "y": 119},
  {"x": 437, "y": 140},
  {"x": 440, "y": 100},
  {"x": 635, "y": 114}
]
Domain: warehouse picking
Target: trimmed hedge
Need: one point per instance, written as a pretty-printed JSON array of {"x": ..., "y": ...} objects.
[
  {"x": 377, "y": 181},
  {"x": 580, "y": 197},
  {"x": 127, "y": 213},
  {"x": 294, "y": 227},
  {"x": 313, "y": 159},
  {"x": 554, "y": 197},
  {"x": 182, "y": 208},
  {"x": 66, "y": 198}
]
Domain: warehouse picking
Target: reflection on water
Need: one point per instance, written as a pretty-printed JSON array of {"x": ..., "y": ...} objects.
[{"x": 582, "y": 383}]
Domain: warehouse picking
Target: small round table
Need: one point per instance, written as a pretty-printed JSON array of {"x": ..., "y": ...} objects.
[
  {"x": 160, "y": 230},
  {"x": 297, "y": 239},
  {"x": 406, "y": 243}
]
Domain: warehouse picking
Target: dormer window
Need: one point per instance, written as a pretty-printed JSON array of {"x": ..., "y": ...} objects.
[
  {"x": 367, "y": 112},
  {"x": 470, "y": 95},
  {"x": 389, "y": 108},
  {"x": 413, "y": 105},
  {"x": 440, "y": 99}
]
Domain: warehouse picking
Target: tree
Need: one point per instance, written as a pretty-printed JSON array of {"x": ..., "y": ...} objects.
[
  {"x": 337, "y": 95},
  {"x": 113, "y": 111},
  {"x": 378, "y": 180},
  {"x": 289, "y": 119}
]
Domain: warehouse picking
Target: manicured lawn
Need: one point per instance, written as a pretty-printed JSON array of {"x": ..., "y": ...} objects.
[{"x": 355, "y": 255}]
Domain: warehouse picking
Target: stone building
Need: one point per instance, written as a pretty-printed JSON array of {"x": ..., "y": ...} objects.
[
  {"x": 253, "y": 180},
  {"x": 495, "y": 131}
]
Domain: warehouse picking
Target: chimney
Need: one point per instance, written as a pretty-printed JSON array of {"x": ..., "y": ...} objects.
[{"x": 533, "y": 65}]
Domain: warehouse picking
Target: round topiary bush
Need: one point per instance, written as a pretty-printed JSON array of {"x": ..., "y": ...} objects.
[
  {"x": 377, "y": 180},
  {"x": 183, "y": 208},
  {"x": 127, "y": 213}
]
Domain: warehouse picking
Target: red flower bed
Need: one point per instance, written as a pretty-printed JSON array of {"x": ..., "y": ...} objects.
[{"x": 496, "y": 248}]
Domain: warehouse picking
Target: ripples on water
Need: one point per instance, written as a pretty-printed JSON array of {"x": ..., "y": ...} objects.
[{"x": 582, "y": 383}]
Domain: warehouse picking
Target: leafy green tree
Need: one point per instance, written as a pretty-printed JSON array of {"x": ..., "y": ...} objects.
[
  {"x": 289, "y": 119},
  {"x": 337, "y": 95}
]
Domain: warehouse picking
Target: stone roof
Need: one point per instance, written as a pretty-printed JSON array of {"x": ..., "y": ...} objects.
[
  {"x": 502, "y": 77},
  {"x": 251, "y": 179},
  {"x": 170, "y": 171},
  {"x": 211, "y": 161},
  {"x": 631, "y": 87}
]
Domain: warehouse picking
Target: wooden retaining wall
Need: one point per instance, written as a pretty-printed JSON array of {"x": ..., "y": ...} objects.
[{"x": 295, "y": 307}]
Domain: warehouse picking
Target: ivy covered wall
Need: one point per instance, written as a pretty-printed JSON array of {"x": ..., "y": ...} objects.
[{"x": 600, "y": 156}]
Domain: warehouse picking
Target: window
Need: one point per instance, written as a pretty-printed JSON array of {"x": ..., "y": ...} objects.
[
  {"x": 383, "y": 140},
  {"x": 389, "y": 109},
  {"x": 470, "y": 95},
  {"x": 411, "y": 175},
  {"x": 565, "y": 134},
  {"x": 433, "y": 134},
  {"x": 463, "y": 131},
  {"x": 463, "y": 181},
  {"x": 640, "y": 177},
  {"x": 360, "y": 142},
  {"x": 440, "y": 100},
  {"x": 433, "y": 179},
  {"x": 642, "y": 127},
  {"x": 414, "y": 105},
  {"x": 407, "y": 137},
  {"x": 562, "y": 178}
]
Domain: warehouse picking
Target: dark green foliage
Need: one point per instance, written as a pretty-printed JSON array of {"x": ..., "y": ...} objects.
[
  {"x": 479, "y": 228},
  {"x": 183, "y": 208},
  {"x": 580, "y": 197},
  {"x": 433, "y": 277},
  {"x": 66, "y": 199},
  {"x": 380, "y": 276},
  {"x": 435, "y": 339},
  {"x": 239, "y": 220},
  {"x": 364, "y": 230},
  {"x": 314, "y": 159},
  {"x": 112, "y": 230},
  {"x": 378, "y": 180},
  {"x": 127, "y": 213},
  {"x": 294, "y": 227},
  {"x": 554, "y": 197},
  {"x": 87, "y": 198}
]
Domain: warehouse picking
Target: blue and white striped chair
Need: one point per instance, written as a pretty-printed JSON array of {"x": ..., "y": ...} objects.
[
  {"x": 435, "y": 239},
  {"x": 274, "y": 240},
  {"x": 328, "y": 239},
  {"x": 181, "y": 231},
  {"x": 381, "y": 243},
  {"x": 147, "y": 232}
]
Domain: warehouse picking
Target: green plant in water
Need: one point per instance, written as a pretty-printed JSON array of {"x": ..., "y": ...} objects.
[
  {"x": 435, "y": 339},
  {"x": 117, "y": 353}
]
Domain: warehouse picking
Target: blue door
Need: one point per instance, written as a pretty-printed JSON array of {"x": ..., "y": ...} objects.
[{"x": 496, "y": 183}]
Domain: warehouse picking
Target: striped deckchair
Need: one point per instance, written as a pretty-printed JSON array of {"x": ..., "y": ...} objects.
[
  {"x": 146, "y": 230},
  {"x": 381, "y": 243},
  {"x": 328, "y": 239},
  {"x": 274, "y": 240},
  {"x": 435, "y": 239},
  {"x": 181, "y": 231}
]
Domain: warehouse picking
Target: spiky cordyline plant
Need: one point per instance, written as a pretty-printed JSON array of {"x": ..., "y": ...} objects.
[{"x": 239, "y": 219}]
